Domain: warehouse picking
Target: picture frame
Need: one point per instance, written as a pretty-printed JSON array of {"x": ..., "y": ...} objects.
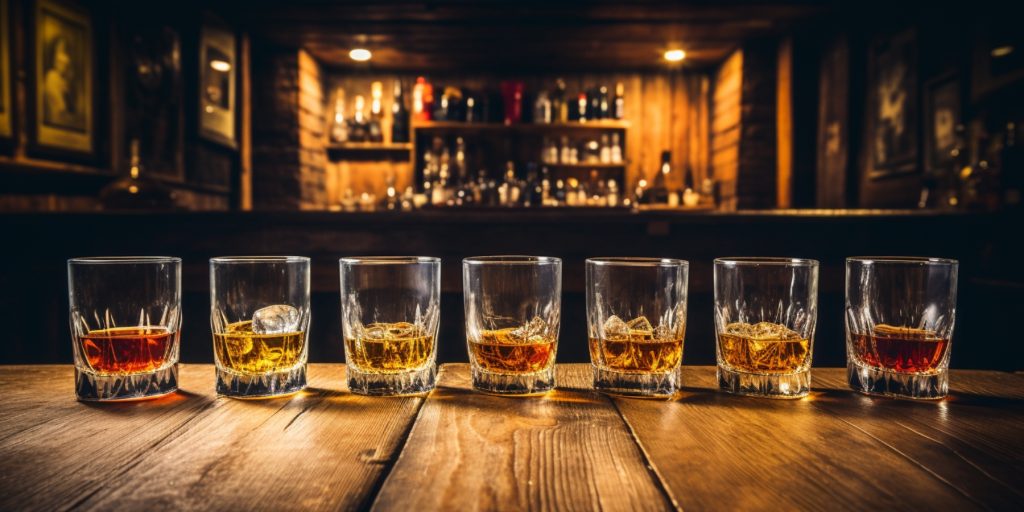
[
  {"x": 218, "y": 63},
  {"x": 6, "y": 85},
  {"x": 942, "y": 114},
  {"x": 154, "y": 97},
  {"x": 63, "y": 94},
  {"x": 892, "y": 140}
]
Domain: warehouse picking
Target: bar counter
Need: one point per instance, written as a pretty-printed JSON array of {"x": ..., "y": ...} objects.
[
  {"x": 455, "y": 449},
  {"x": 991, "y": 279}
]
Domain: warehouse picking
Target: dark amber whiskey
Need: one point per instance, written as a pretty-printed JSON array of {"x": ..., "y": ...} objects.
[
  {"x": 901, "y": 349},
  {"x": 763, "y": 347},
  {"x": 122, "y": 350},
  {"x": 240, "y": 349},
  {"x": 636, "y": 347},
  {"x": 389, "y": 348},
  {"x": 510, "y": 351}
]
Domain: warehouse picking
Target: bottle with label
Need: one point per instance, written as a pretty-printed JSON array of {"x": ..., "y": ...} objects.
[
  {"x": 358, "y": 126},
  {"x": 616, "y": 149},
  {"x": 605, "y": 110},
  {"x": 606, "y": 150},
  {"x": 399, "y": 116},
  {"x": 619, "y": 103},
  {"x": 581, "y": 107},
  {"x": 374, "y": 130},
  {"x": 542, "y": 109},
  {"x": 339, "y": 127}
]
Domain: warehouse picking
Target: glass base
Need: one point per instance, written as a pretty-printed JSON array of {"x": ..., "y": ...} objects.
[
  {"x": 876, "y": 381},
  {"x": 636, "y": 384},
  {"x": 392, "y": 384},
  {"x": 788, "y": 385},
  {"x": 514, "y": 384},
  {"x": 265, "y": 385},
  {"x": 101, "y": 388}
]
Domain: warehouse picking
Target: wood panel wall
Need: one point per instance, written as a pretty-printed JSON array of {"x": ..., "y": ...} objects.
[
  {"x": 725, "y": 127},
  {"x": 666, "y": 111}
]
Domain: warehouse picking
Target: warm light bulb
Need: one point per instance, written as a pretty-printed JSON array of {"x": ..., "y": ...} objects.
[
  {"x": 1002, "y": 51},
  {"x": 675, "y": 55},
  {"x": 360, "y": 54},
  {"x": 220, "y": 65}
]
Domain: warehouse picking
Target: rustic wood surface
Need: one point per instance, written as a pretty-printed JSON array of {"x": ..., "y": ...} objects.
[{"x": 326, "y": 448}]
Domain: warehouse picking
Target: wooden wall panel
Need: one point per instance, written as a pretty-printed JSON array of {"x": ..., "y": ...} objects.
[{"x": 725, "y": 127}]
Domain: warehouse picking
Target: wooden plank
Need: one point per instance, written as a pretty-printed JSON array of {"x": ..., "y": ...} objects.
[
  {"x": 723, "y": 452},
  {"x": 323, "y": 448},
  {"x": 567, "y": 450}
]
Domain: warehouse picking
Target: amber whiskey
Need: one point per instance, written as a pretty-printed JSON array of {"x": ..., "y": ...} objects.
[
  {"x": 636, "y": 347},
  {"x": 763, "y": 347},
  {"x": 241, "y": 350},
  {"x": 390, "y": 348},
  {"x": 901, "y": 349},
  {"x": 514, "y": 350},
  {"x": 124, "y": 350}
]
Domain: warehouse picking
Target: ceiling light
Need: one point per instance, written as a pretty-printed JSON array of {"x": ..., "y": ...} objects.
[
  {"x": 220, "y": 65},
  {"x": 1002, "y": 51},
  {"x": 360, "y": 54},
  {"x": 675, "y": 55}
]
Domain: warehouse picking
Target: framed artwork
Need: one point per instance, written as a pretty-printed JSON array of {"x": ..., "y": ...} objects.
[
  {"x": 997, "y": 62},
  {"x": 153, "y": 99},
  {"x": 6, "y": 126},
  {"x": 217, "y": 78},
  {"x": 63, "y": 99},
  {"x": 941, "y": 117},
  {"x": 892, "y": 105}
]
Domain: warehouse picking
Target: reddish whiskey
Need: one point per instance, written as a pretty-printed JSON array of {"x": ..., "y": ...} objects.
[
  {"x": 121, "y": 350},
  {"x": 901, "y": 349}
]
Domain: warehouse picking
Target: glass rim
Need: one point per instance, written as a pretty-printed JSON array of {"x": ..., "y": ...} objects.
[
  {"x": 511, "y": 259},
  {"x": 387, "y": 260},
  {"x": 259, "y": 259},
  {"x": 107, "y": 260},
  {"x": 637, "y": 261},
  {"x": 754, "y": 261},
  {"x": 902, "y": 260}
]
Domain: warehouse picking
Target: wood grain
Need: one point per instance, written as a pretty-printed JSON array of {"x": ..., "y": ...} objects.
[
  {"x": 320, "y": 449},
  {"x": 834, "y": 450},
  {"x": 568, "y": 450}
]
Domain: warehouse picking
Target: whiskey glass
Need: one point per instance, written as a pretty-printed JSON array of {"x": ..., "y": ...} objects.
[
  {"x": 513, "y": 306},
  {"x": 900, "y": 313},
  {"x": 390, "y": 312},
  {"x": 259, "y": 315},
  {"x": 636, "y": 323},
  {"x": 765, "y": 313},
  {"x": 125, "y": 320}
]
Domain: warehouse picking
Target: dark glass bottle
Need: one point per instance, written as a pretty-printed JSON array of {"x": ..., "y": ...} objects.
[
  {"x": 659, "y": 191},
  {"x": 375, "y": 132},
  {"x": 399, "y": 116}
]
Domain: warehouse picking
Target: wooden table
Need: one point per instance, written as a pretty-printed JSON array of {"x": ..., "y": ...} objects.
[{"x": 457, "y": 450}]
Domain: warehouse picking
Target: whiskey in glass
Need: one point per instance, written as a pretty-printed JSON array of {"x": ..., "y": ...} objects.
[
  {"x": 900, "y": 313},
  {"x": 631, "y": 354},
  {"x": 513, "y": 308},
  {"x": 390, "y": 310},
  {"x": 259, "y": 315},
  {"x": 125, "y": 320},
  {"x": 765, "y": 314}
]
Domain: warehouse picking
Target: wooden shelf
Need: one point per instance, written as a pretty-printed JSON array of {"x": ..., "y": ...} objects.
[
  {"x": 370, "y": 146},
  {"x": 585, "y": 166},
  {"x": 521, "y": 127}
]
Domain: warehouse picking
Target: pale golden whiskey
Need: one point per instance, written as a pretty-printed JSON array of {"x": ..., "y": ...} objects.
[
  {"x": 241, "y": 350},
  {"x": 389, "y": 348},
  {"x": 514, "y": 350},
  {"x": 764, "y": 347},
  {"x": 636, "y": 347}
]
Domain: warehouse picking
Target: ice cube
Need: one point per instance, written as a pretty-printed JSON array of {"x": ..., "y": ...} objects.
[
  {"x": 615, "y": 329},
  {"x": 376, "y": 332},
  {"x": 640, "y": 324},
  {"x": 535, "y": 331},
  {"x": 276, "y": 319},
  {"x": 662, "y": 332},
  {"x": 402, "y": 330}
]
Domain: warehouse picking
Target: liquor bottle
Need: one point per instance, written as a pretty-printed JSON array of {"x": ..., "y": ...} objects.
[
  {"x": 593, "y": 103},
  {"x": 357, "y": 126},
  {"x": 613, "y": 193},
  {"x": 339, "y": 128},
  {"x": 691, "y": 197},
  {"x": 605, "y": 110},
  {"x": 581, "y": 107},
  {"x": 422, "y": 99},
  {"x": 616, "y": 149},
  {"x": 135, "y": 192},
  {"x": 1011, "y": 165},
  {"x": 545, "y": 187},
  {"x": 565, "y": 153},
  {"x": 659, "y": 191},
  {"x": 619, "y": 104},
  {"x": 399, "y": 116},
  {"x": 542, "y": 112},
  {"x": 560, "y": 102},
  {"x": 606, "y": 150},
  {"x": 374, "y": 130}
]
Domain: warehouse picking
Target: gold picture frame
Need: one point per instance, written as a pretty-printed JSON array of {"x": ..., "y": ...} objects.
[
  {"x": 6, "y": 105},
  {"x": 218, "y": 63},
  {"x": 63, "y": 53}
]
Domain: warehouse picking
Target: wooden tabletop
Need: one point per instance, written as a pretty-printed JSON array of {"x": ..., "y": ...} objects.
[{"x": 326, "y": 448}]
